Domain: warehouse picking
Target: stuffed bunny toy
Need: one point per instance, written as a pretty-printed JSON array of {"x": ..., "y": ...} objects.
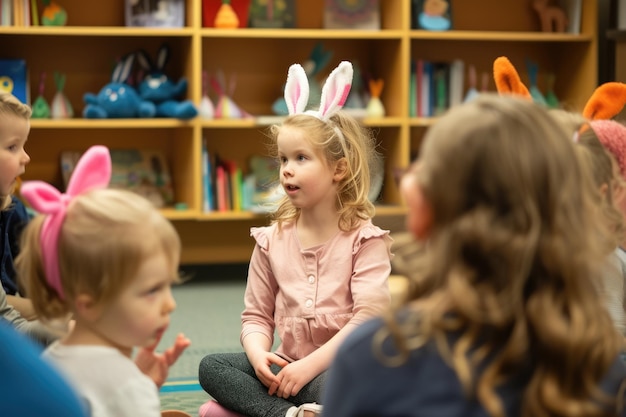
[
  {"x": 158, "y": 88},
  {"x": 118, "y": 99}
]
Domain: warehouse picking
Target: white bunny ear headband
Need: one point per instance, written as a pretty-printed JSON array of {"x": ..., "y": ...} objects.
[{"x": 334, "y": 93}]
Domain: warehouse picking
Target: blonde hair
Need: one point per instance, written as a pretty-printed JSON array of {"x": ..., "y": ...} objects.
[
  {"x": 11, "y": 106},
  {"x": 510, "y": 267},
  {"x": 340, "y": 138},
  {"x": 602, "y": 167},
  {"x": 106, "y": 235}
]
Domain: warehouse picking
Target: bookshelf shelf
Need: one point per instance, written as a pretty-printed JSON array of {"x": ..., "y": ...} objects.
[{"x": 258, "y": 59}]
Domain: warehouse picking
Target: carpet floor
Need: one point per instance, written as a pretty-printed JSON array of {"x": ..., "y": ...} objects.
[{"x": 208, "y": 312}]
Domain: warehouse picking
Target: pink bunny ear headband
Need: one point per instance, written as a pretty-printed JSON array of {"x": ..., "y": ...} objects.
[
  {"x": 334, "y": 93},
  {"x": 92, "y": 171}
]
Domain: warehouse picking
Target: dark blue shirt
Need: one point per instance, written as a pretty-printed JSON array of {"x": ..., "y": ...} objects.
[
  {"x": 359, "y": 384},
  {"x": 12, "y": 222}
]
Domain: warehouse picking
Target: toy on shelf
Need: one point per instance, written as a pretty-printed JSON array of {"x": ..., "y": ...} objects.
[
  {"x": 472, "y": 92},
  {"x": 535, "y": 93},
  {"x": 41, "y": 109},
  {"x": 375, "y": 106},
  {"x": 118, "y": 99},
  {"x": 61, "y": 107},
  {"x": 434, "y": 15},
  {"x": 206, "y": 109},
  {"x": 552, "y": 17},
  {"x": 226, "y": 18},
  {"x": 551, "y": 99},
  {"x": 226, "y": 108},
  {"x": 53, "y": 14},
  {"x": 158, "y": 88}
]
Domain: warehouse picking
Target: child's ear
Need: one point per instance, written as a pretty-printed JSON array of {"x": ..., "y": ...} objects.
[
  {"x": 341, "y": 169},
  {"x": 604, "y": 188},
  {"x": 87, "y": 307}
]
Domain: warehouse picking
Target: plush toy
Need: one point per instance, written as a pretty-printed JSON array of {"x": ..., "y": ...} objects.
[
  {"x": 159, "y": 89},
  {"x": 118, "y": 99}
]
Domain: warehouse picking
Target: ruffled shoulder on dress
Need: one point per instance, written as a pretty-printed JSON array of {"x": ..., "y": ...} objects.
[
  {"x": 262, "y": 236},
  {"x": 369, "y": 231}
]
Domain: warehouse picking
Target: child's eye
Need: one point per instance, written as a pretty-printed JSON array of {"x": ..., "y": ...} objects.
[
  {"x": 301, "y": 157},
  {"x": 12, "y": 148}
]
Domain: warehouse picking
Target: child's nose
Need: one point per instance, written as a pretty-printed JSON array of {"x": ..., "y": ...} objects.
[{"x": 170, "y": 304}]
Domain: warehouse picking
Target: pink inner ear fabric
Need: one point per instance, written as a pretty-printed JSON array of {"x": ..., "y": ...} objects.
[{"x": 344, "y": 95}]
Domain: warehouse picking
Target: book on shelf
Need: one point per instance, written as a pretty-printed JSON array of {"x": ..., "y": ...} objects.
[
  {"x": 14, "y": 78},
  {"x": 272, "y": 14},
  {"x": 435, "y": 86},
  {"x": 155, "y": 13},
  {"x": 346, "y": 14},
  {"x": 573, "y": 11},
  {"x": 19, "y": 13},
  {"x": 143, "y": 171}
]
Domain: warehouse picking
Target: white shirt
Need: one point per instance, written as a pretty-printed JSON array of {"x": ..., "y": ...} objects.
[{"x": 108, "y": 382}]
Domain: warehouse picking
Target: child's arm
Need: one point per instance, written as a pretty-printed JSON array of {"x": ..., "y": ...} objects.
[
  {"x": 33, "y": 329},
  {"x": 24, "y": 306}
]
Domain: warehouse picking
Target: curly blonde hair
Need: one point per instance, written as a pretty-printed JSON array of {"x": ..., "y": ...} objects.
[
  {"x": 515, "y": 249},
  {"x": 105, "y": 237},
  {"x": 340, "y": 138}
]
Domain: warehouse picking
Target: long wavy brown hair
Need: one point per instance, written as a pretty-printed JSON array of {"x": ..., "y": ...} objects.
[{"x": 516, "y": 245}]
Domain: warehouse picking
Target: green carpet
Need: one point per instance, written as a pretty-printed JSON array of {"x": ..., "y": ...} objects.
[{"x": 207, "y": 312}]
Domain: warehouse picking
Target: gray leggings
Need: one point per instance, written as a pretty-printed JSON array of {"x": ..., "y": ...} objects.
[{"x": 230, "y": 379}]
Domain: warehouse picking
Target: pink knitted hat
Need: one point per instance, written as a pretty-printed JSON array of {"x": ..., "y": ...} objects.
[{"x": 612, "y": 135}]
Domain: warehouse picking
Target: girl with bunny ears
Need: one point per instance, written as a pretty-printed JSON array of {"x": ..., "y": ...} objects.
[
  {"x": 108, "y": 258},
  {"x": 316, "y": 273}
]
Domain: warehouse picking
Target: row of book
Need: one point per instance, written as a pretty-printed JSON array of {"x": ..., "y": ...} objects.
[
  {"x": 225, "y": 187},
  {"x": 435, "y": 87},
  {"x": 19, "y": 13}
]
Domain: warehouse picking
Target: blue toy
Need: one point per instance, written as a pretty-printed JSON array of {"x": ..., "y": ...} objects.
[
  {"x": 118, "y": 99},
  {"x": 158, "y": 88}
]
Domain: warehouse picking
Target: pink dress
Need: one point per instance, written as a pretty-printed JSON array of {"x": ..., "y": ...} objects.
[{"x": 308, "y": 295}]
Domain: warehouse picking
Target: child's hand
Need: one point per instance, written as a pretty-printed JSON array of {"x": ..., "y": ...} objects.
[
  {"x": 291, "y": 379},
  {"x": 157, "y": 365},
  {"x": 262, "y": 369}
]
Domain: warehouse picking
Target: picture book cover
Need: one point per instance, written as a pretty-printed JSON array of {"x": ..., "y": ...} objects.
[
  {"x": 432, "y": 14},
  {"x": 272, "y": 14},
  {"x": 14, "y": 78},
  {"x": 352, "y": 14},
  {"x": 145, "y": 172},
  {"x": 155, "y": 13}
]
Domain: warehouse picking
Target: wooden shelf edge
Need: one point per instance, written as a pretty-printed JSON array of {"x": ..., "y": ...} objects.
[
  {"x": 302, "y": 33},
  {"x": 96, "y": 31},
  {"x": 497, "y": 36},
  {"x": 78, "y": 123}
]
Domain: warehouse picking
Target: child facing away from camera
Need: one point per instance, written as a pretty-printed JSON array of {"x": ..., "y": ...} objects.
[
  {"x": 108, "y": 258},
  {"x": 14, "y": 130},
  {"x": 316, "y": 273},
  {"x": 502, "y": 317},
  {"x": 607, "y": 178}
]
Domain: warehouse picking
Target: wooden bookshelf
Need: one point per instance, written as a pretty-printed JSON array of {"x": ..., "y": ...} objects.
[{"x": 85, "y": 49}]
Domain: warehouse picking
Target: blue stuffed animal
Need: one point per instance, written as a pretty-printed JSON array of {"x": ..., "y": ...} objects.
[
  {"x": 158, "y": 88},
  {"x": 118, "y": 99}
]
